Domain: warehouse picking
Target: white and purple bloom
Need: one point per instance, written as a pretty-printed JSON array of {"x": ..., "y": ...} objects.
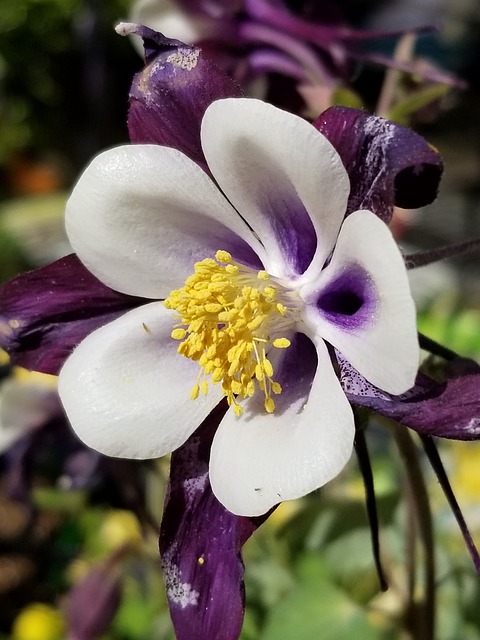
[
  {"x": 279, "y": 274},
  {"x": 277, "y": 217}
]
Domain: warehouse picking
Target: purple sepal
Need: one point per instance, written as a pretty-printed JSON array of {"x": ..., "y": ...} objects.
[
  {"x": 448, "y": 409},
  {"x": 169, "y": 97},
  {"x": 200, "y": 543},
  {"x": 387, "y": 164},
  {"x": 45, "y": 313}
]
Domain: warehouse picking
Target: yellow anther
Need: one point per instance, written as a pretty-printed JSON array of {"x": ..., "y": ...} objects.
[
  {"x": 256, "y": 322},
  {"x": 194, "y": 392},
  {"x": 267, "y": 367},
  {"x": 209, "y": 367},
  {"x": 234, "y": 367},
  {"x": 237, "y": 410},
  {"x": 281, "y": 343},
  {"x": 236, "y": 386},
  {"x": 223, "y": 256},
  {"x": 213, "y": 307},
  {"x": 217, "y": 375},
  {"x": 226, "y": 314},
  {"x": 211, "y": 351},
  {"x": 259, "y": 373},
  {"x": 269, "y": 405},
  {"x": 206, "y": 264}
]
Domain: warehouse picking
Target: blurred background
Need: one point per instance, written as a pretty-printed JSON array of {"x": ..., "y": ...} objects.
[{"x": 70, "y": 519}]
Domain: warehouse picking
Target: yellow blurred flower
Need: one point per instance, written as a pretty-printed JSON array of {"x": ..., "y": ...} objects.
[
  {"x": 465, "y": 471},
  {"x": 35, "y": 377},
  {"x": 38, "y": 622},
  {"x": 284, "y": 512},
  {"x": 120, "y": 527}
]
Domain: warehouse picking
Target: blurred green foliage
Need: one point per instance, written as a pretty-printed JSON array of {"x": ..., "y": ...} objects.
[{"x": 42, "y": 52}]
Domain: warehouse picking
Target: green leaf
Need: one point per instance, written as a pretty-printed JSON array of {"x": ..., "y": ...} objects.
[
  {"x": 317, "y": 610},
  {"x": 345, "y": 97},
  {"x": 52, "y": 499},
  {"x": 416, "y": 101},
  {"x": 358, "y": 576}
]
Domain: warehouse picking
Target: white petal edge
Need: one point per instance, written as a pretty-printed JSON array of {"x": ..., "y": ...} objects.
[
  {"x": 259, "y": 459},
  {"x": 262, "y": 157},
  {"x": 140, "y": 216},
  {"x": 385, "y": 351},
  {"x": 126, "y": 390}
]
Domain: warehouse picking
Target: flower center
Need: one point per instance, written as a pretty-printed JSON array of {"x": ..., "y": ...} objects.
[{"x": 230, "y": 317}]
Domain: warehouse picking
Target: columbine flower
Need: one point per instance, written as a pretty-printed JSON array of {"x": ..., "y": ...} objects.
[
  {"x": 45, "y": 313},
  {"x": 258, "y": 277}
]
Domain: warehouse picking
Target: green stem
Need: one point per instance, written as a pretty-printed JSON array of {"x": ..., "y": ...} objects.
[
  {"x": 421, "y": 616},
  {"x": 403, "y": 53},
  {"x": 363, "y": 457}
]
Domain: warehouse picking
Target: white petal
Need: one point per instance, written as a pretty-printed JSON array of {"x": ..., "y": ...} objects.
[
  {"x": 282, "y": 175},
  {"x": 140, "y": 216},
  {"x": 126, "y": 390},
  {"x": 384, "y": 347},
  {"x": 258, "y": 460}
]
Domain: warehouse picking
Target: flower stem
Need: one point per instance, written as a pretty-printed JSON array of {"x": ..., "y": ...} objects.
[
  {"x": 364, "y": 464},
  {"x": 436, "y": 462},
  {"x": 403, "y": 53},
  {"x": 420, "y": 617}
]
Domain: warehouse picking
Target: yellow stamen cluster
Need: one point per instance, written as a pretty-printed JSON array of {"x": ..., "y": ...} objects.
[{"x": 228, "y": 314}]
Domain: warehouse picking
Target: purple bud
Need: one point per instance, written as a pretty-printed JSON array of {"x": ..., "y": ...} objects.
[
  {"x": 387, "y": 164},
  {"x": 169, "y": 97}
]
